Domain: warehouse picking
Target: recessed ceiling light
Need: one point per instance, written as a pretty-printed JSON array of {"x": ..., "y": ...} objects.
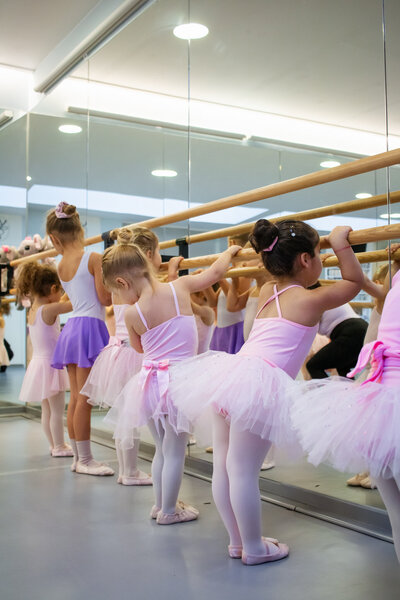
[
  {"x": 70, "y": 129},
  {"x": 328, "y": 164},
  {"x": 28, "y": 178},
  {"x": 164, "y": 173},
  {"x": 392, "y": 216},
  {"x": 190, "y": 31},
  {"x": 363, "y": 195}
]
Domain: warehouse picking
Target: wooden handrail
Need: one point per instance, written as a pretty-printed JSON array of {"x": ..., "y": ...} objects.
[
  {"x": 356, "y": 167},
  {"x": 305, "y": 215}
]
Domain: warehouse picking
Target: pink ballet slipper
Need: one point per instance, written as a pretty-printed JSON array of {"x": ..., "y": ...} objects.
[
  {"x": 154, "y": 512},
  {"x": 183, "y": 514},
  {"x": 141, "y": 479},
  {"x": 236, "y": 551},
  {"x": 119, "y": 480},
  {"x": 62, "y": 452},
  {"x": 94, "y": 468},
  {"x": 73, "y": 466},
  {"x": 274, "y": 552}
]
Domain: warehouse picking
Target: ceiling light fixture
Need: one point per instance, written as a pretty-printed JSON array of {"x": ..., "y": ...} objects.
[
  {"x": 363, "y": 195},
  {"x": 190, "y": 31},
  {"x": 392, "y": 216},
  {"x": 164, "y": 173},
  {"x": 70, "y": 129},
  {"x": 28, "y": 178},
  {"x": 5, "y": 117},
  {"x": 329, "y": 164}
]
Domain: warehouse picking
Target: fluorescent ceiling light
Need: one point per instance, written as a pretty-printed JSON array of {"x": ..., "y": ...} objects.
[
  {"x": 392, "y": 216},
  {"x": 164, "y": 173},
  {"x": 363, "y": 195},
  {"x": 70, "y": 129},
  {"x": 190, "y": 31},
  {"x": 328, "y": 164}
]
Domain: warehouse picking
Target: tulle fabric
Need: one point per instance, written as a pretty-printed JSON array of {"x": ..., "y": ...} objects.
[
  {"x": 42, "y": 381},
  {"x": 350, "y": 426},
  {"x": 80, "y": 342},
  {"x": 113, "y": 368},
  {"x": 248, "y": 391}
]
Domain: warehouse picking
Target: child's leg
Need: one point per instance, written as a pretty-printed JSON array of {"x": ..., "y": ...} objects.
[
  {"x": 158, "y": 463},
  {"x": 220, "y": 480},
  {"x": 131, "y": 474},
  {"x": 57, "y": 404},
  {"x": 46, "y": 422},
  {"x": 245, "y": 457},
  {"x": 389, "y": 489},
  {"x": 73, "y": 386},
  {"x": 120, "y": 456},
  {"x": 174, "y": 449}
]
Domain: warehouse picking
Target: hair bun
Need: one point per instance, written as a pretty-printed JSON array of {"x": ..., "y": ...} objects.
[
  {"x": 69, "y": 209},
  {"x": 125, "y": 236},
  {"x": 263, "y": 234}
]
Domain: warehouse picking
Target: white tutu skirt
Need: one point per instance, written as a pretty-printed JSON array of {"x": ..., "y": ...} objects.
[
  {"x": 42, "y": 381},
  {"x": 352, "y": 427},
  {"x": 112, "y": 369},
  {"x": 247, "y": 391}
]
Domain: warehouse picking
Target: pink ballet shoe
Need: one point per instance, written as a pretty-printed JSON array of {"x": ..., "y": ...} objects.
[
  {"x": 141, "y": 479},
  {"x": 73, "y": 466},
  {"x": 236, "y": 551},
  {"x": 183, "y": 514},
  {"x": 62, "y": 452},
  {"x": 119, "y": 480},
  {"x": 274, "y": 552},
  {"x": 94, "y": 468},
  {"x": 154, "y": 512}
]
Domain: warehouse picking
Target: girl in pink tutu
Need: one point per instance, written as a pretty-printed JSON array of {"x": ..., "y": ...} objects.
[
  {"x": 118, "y": 362},
  {"x": 355, "y": 426},
  {"x": 42, "y": 383},
  {"x": 85, "y": 333},
  {"x": 248, "y": 392},
  {"x": 161, "y": 325}
]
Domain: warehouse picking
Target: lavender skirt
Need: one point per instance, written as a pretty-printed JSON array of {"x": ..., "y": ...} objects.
[
  {"x": 80, "y": 342},
  {"x": 228, "y": 339}
]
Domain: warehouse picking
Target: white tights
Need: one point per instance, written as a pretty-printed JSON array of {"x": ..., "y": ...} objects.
[
  {"x": 127, "y": 459},
  {"x": 389, "y": 489},
  {"x": 53, "y": 420},
  {"x": 238, "y": 456},
  {"x": 167, "y": 465}
]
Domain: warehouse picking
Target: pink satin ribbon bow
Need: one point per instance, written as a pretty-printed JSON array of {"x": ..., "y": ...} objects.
[
  {"x": 60, "y": 214},
  {"x": 374, "y": 353},
  {"x": 161, "y": 368},
  {"x": 114, "y": 341}
]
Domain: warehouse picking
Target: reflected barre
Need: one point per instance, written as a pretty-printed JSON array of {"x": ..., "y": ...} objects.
[
  {"x": 356, "y": 167},
  {"x": 384, "y": 233}
]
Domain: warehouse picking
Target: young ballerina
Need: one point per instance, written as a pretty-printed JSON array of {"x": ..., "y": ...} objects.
[
  {"x": 85, "y": 334},
  {"x": 118, "y": 361},
  {"x": 4, "y": 360},
  {"x": 162, "y": 326},
  {"x": 248, "y": 392},
  {"x": 42, "y": 383}
]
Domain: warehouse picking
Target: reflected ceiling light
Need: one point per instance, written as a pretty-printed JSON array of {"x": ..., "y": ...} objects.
[
  {"x": 28, "y": 178},
  {"x": 328, "y": 164},
  {"x": 363, "y": 195},
  {"x": 190, "y": 31},
  {"x": 70, "y": 129},
  {"x": 5, "y": 117},
  {"x": 392, "y": 216},
  {"x": 164, "y": 173}
]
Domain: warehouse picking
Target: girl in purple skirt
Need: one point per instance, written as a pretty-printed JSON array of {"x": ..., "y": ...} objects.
[{"x": 85, "y": 333}]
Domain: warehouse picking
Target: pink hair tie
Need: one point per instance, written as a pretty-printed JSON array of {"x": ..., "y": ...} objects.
[
  {"x": 271, "y": 247},
  {"x": 60, "y": 214}
]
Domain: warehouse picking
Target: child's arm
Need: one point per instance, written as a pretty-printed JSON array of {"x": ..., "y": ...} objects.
[
  {"x": 235, "y": 300},
  {"x": 173, "y": 267},
  {"x": 205, "y": 313},
  {"x": 394, "y": 267},
  {"x": 134, "y": 337},
  {"x": 196, "y": 283},
  {"x": 51, "y": 311},
  {"x": 373, "y": 289},
  {"x": 103, "y": 295},
  {"x": 332, "y": 296}
]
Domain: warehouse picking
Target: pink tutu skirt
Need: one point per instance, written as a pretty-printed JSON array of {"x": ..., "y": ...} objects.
[
  {"x": 247, "y": 391},
  {"x": 145, "y": 397},
  {"x": 350, "y": 426},
  {"x": 42, "y": 381},
  {"x": 113, "y": 368}
]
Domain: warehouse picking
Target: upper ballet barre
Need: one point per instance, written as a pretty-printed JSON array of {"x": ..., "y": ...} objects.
[{"x": 356, "y": 167}]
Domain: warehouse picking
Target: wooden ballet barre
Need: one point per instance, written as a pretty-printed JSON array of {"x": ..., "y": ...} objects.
[
  {"x": 356, "y": 167},
  {"x": 359, "y": 304},
  {"x": 362, "y": 236},
  {"x": 365, "y": 257},
  {"x": 305, "y": 215},
  {"x": 7, "y": 300}
]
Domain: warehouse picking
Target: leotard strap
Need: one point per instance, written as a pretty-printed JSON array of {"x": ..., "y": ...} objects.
[
  {"x": 178, "y": 312},
  {"x": 275, "y": 297},
  {"x": 141, "y": 316}
]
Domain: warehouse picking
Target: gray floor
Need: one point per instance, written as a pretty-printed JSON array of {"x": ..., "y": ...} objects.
[{"x": 71, "y": 537}]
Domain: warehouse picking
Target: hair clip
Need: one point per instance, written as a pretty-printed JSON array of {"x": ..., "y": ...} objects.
[{"x": 292, "y": 232}]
